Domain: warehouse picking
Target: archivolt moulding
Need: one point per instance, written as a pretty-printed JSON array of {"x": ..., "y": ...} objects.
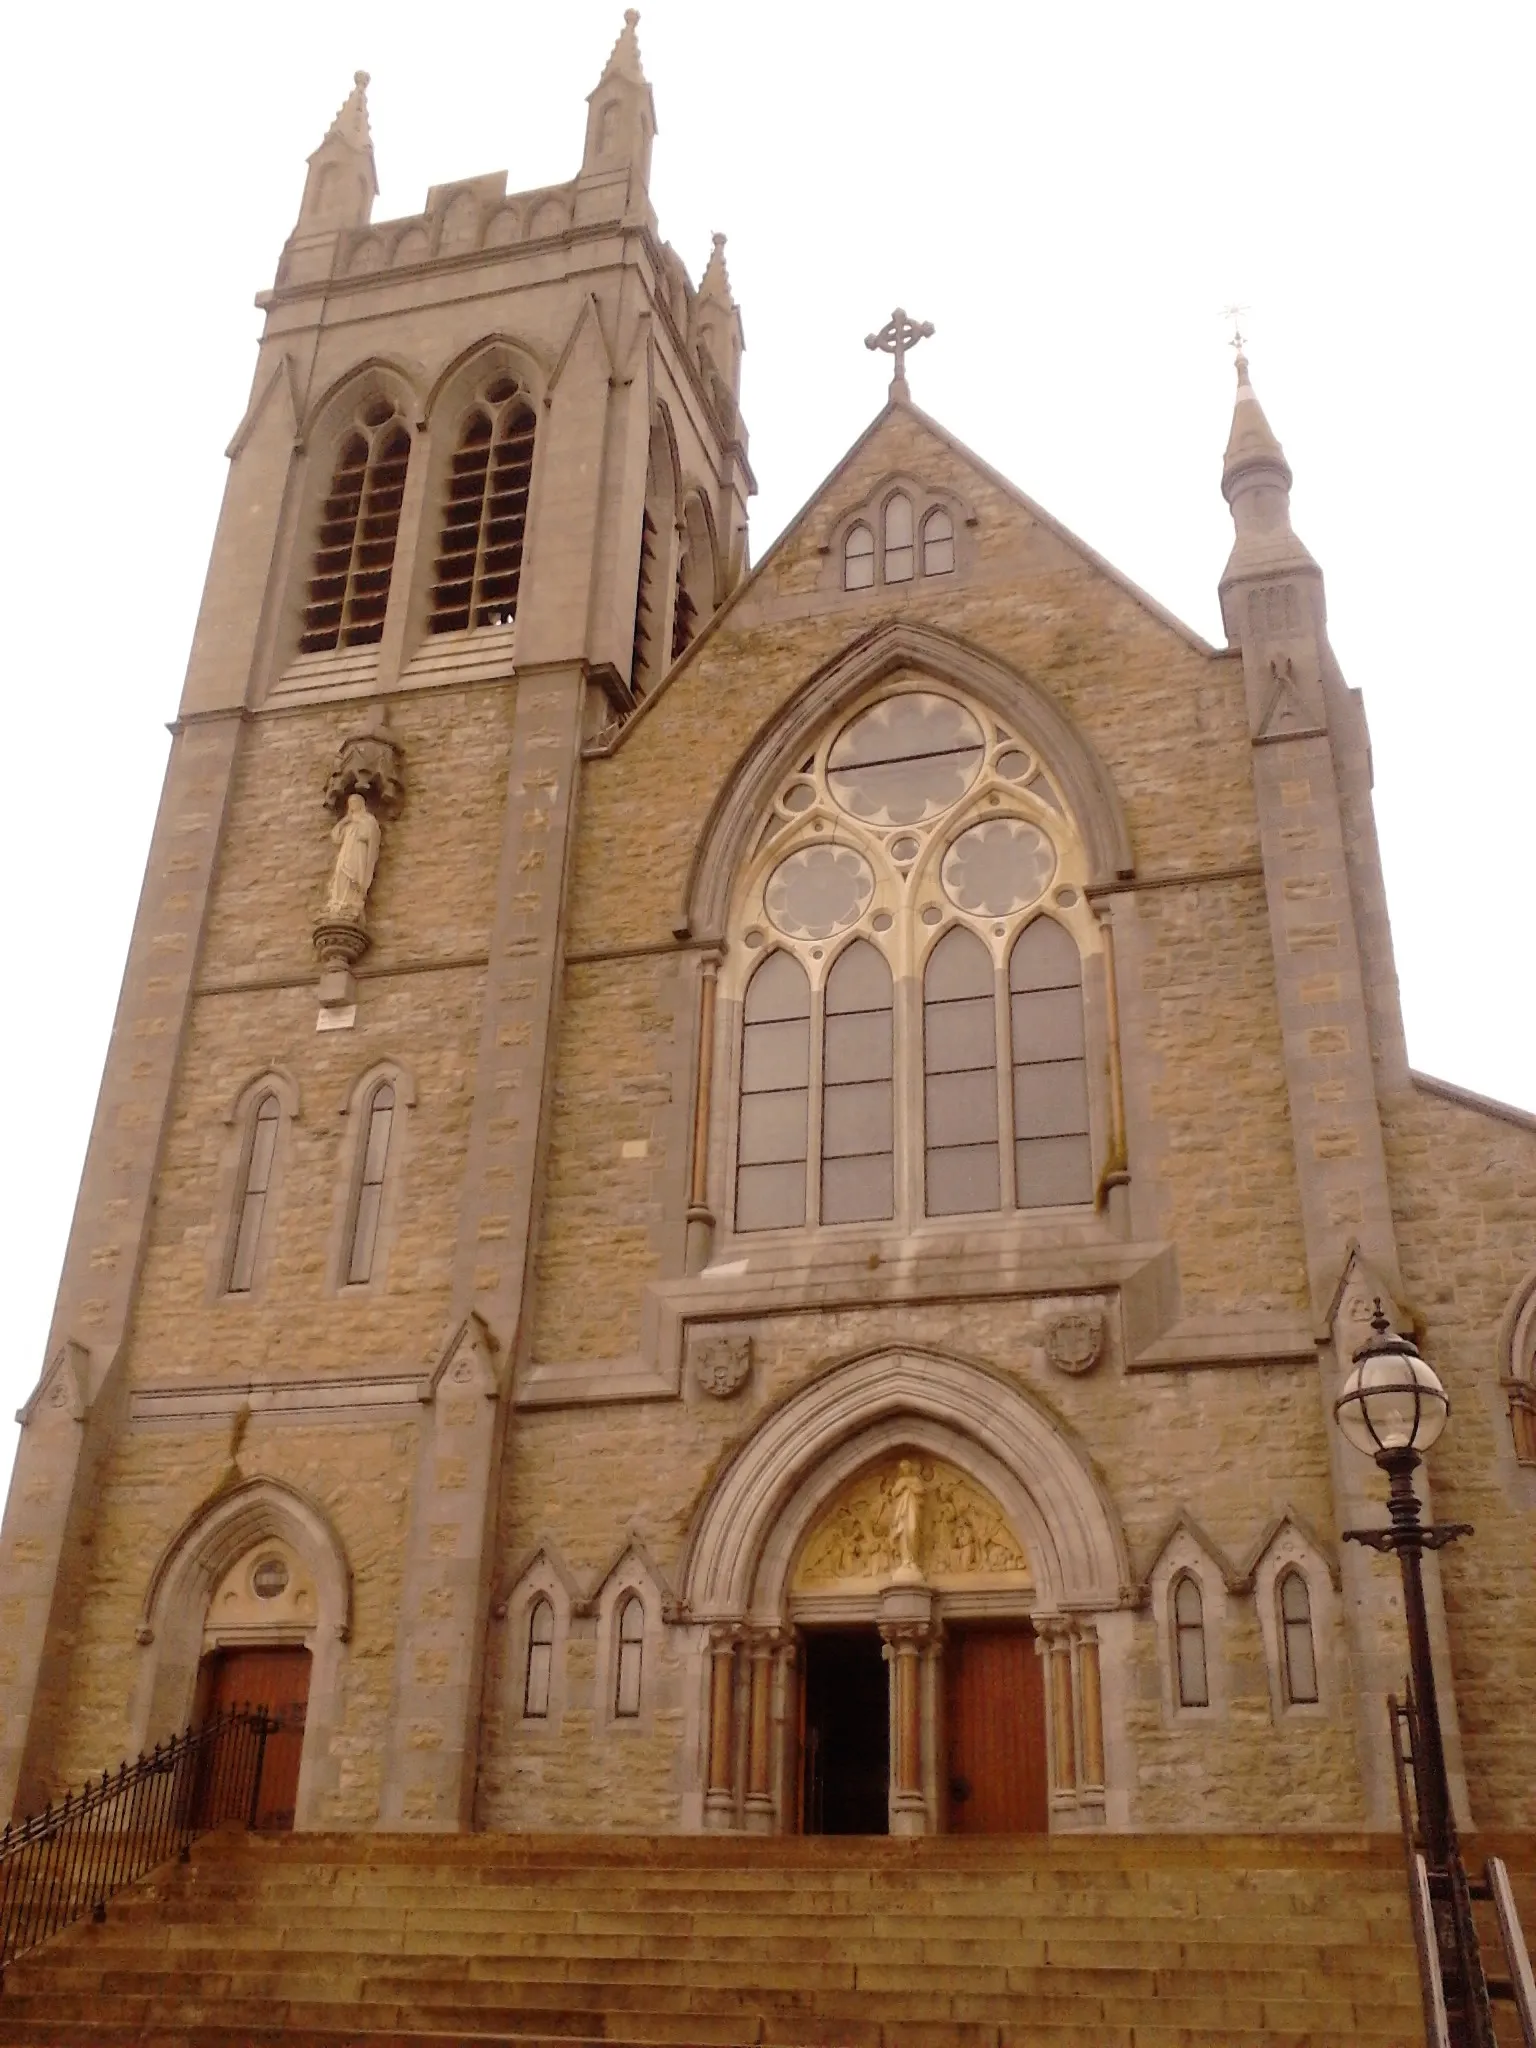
[
  {"x": 743, "y": 1540},
  {"x": 783, "y": 741}
]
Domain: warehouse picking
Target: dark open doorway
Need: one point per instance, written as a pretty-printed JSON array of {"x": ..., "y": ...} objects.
[{"x": 847, "y": 1733}]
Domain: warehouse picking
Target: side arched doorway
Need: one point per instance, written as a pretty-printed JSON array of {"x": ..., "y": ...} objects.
[
  {"x": 256, "y": 1654},
  {"x": 914, "y": 1537},
  {"x": 251, "y": 1604}
]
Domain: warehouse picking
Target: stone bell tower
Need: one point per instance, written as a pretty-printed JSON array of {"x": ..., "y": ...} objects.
[{"x": 490, "y": 482}]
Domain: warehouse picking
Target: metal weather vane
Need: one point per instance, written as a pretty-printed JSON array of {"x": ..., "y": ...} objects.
[{"x": 894, "y": 339}]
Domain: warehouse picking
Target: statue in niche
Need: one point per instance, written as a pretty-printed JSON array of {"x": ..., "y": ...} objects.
[
  {"x": 906, "y": 1521},
  {"x": 356, "y": 835}
]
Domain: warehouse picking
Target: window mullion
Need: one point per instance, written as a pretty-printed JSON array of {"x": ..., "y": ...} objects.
[
  {"x": 349, "y": 588},
  {"x": 477, "y": 574},
  {"x": 1007, "y": 1158},
  {"x": 814, "y": 1107}
]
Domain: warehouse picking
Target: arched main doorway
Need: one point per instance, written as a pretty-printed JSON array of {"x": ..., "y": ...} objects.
[
  {"x": 911, "y": 1519},
  {"x": 914, "y": 1563}
]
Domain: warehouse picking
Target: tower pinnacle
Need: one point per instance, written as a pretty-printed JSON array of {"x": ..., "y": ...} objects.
[
  {"x": 1256, "y": 483},
  {"x": 621, "y": 126},
  {"x": 624, "y": 59},
  {"x": 351, "y": 122},
  {"x": 715, "y": 284}
]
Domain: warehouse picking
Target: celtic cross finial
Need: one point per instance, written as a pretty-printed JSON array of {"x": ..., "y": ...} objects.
[{"x": 894, "y": 339}]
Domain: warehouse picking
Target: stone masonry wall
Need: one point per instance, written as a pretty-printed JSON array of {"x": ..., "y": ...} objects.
[
  {"x": 1464, "y": 1192},
  {"x": 155, "y": 1480}
]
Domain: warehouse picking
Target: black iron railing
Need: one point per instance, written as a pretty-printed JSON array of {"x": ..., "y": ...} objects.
[
  {"x": 1458, "y": 1994},
  {"x": 68, "y": 1860}
]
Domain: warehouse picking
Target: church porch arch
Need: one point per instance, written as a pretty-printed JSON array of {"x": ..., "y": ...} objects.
[{"x": 738, "y": 1587}]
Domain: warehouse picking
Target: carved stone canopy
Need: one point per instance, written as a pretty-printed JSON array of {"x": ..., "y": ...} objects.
[
  {"x": 369, "y": 763},
  {"x": 963, "y": 1537}
]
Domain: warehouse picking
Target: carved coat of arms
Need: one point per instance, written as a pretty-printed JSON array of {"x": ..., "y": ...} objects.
[
  {"x": 1074, "y": 1342},
  {"x": 721, "y": 1365}
]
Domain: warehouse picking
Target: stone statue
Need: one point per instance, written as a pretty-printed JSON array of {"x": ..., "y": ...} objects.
[
  {"x": 356, "y": 834},
  {"x": 906, "y": 1512}
]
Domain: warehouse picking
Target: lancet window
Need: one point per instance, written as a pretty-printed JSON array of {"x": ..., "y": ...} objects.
[
  {"x": 541, "y": 1650},
  {"x": 368, "y": 1197},
  {"x": 1189, "y": 1659},
  {"x": 359, "y": 520},
  {"x": 913, "y": 1036},
  {"x": 256, "y": 1181},
  {"x": 906, "y": 547},
  {"x": 1299, "y": 1649},
  {"x": 629, "y": 1661},
  {"x": 485, "y": 516}
]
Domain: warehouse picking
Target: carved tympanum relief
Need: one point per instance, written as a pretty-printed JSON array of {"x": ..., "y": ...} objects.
[{"x": 911, "y": 1519}]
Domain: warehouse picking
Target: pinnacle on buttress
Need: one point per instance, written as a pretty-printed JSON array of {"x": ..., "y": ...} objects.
[
  {"x": 715, "y": 283},
  {"x": 351, "y": 122},
  {"x": 1256, "y": 483}
]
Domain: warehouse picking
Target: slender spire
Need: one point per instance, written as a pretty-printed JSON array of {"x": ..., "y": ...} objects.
[
  {"x": 351, "y": 122},
  {"x": 1256, "y": 483},
  {"x": 1252, "y": 439},
  {"x": 624, "y": 60},
  {"x": 715, "y": 284}
]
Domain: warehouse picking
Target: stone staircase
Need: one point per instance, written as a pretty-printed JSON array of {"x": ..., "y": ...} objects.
[{"x": 710, "y": 1941}]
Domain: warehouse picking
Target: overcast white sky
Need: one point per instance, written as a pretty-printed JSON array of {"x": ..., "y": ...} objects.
[{"x": 1071, "y": 193}]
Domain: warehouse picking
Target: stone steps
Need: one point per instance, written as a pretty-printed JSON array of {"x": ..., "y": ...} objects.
[{"x": 707, "y": 1942}]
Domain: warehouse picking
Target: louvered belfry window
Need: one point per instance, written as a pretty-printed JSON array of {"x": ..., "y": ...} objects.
[
  {"x": 485, "y": 517},
  {"x": 349, "y": 586}
]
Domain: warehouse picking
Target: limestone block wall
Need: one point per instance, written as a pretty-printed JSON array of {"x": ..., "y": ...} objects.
[
  {"x": 1464, "y": 1195},
  {"x": 155, "y": 1480},
  {"x": 1235, "y": 1448}
]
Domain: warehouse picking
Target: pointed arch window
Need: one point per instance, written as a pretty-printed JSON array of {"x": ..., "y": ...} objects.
[
  {"x": 1190, "y": 1665},
  {"x": 960, "y": 1077},
  {"x": 1300, "y": 1650},
  {"x": 858, "y": 1142},
  {"x": 773, "y": 1130},
  {"x": 899, "y": 552},
  {"x": 541, "y": 1651},
  {"x": 938, "y": 542},
  {"x": 485, "y": 517},
  {"x": 359, "y": 521},
  {"x": 363, "y": 1233},
  {"x": 914, "y": 1035},
  {"x": 859, "y": 557},
  {"x": 261, "y": 1148},
  {"x": 1053, "y": 1157},
  {"x": 629, "y": 1660}
]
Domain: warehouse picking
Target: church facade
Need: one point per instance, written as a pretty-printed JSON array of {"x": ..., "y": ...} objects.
[{"x": 736, "y": 1197}]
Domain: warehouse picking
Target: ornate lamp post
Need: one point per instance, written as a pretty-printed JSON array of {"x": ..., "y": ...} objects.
[{"x": 1393, "y": 1408}]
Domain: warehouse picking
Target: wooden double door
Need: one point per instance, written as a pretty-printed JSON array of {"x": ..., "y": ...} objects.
[
  {"x": 277, "y": 1681},
  {"x": 993, "y": 1721},
  {"x": 994, "y": 1724}
]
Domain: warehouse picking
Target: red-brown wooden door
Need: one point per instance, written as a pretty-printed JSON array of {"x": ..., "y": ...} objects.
[
  {"x": 995, "y": 1699},
  {"x": 278, "y": 1680}
]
